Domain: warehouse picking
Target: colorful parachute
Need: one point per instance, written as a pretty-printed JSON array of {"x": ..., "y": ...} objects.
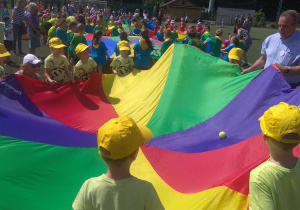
[{"x": 48, "y": 145}]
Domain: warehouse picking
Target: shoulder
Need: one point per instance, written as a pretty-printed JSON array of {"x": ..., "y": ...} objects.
[
  {"x": 273, "y": 37},
  {"x": 261, "y": 172}
]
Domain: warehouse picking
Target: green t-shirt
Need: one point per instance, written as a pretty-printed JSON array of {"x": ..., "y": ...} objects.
[
  {"x": 56, "y": 66},
  {"x": 70, "y": 36},
  {"x": 83, "y": 71},
  {"x": 215, "y": 46},
  {"x": 78, "y": 38},
  {"x": 199, "y": 45},
  {"x": 122, "y": 65},
  {"x": 203, "y": 37},
  {"x": 105, "y": 193},
  {"x": 174, "y": 36},
  {"x": 241, "y": 44},
  {"x": 165, "y": 45},
  {"x": 98, "y": 28},
  {"x": 52, "y": 32},
  {"x": 274, "y": 187},
  {"x": 114, "y": 32}
]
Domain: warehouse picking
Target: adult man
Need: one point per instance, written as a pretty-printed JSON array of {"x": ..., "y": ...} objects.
[{"x": 282, "y": 49}]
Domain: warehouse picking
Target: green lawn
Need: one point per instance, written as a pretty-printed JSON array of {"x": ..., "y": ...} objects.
[{"x": 258, "y": 35}]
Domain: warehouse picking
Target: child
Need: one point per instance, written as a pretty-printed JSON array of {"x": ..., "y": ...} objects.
[
  {"x": 8, "y": 39},
  {"x": 122, "y": 64},
  {"x": 275, "y": 183},
  {"x": 142, "y": 51},
  {"x": 198, "y": 27},
  {"x": 182, "y": 25},
  {"x": 86, "y": 65},
  {"x": 78, "y": 38},
  {"x": 120, "y": 29},
  {"x": 111, "y": 21},
  {"x": 99, "y": 51},
  {"x": 114, "y": 31},
  {"x": 88, "y": 27},
  {"x": 174, "y": 34},
  {"x": 156, "y": 27},
  {"x": 172, "y": 25},
  {"x": 215, "y": 43},
  {"x": 193, "y": 41},
  {"x": 118, "y": 142},
  {"x": 70, "y": 34},
  {"x": 123, "y": 37},
  {"x": 136, "y": 31},
  {"x": 98, "y": 26},
  {"x": 160, "y": 34},
  {"x": 52, "y": 31},
  {"x": 167, "y": 43},
  {"x": 234, "y": 42},
  {"x": 62, "y": 33},
  {"x": 43, "y": 21},
  {"x": 3, "y": 54},
  {"x": 206, "y": 34},
  {"x": 167, "y": 24},
  {"x": 235, "y": 55},
  {"x": 56, "y": 64},
  {"x": 242, "y": 42}
]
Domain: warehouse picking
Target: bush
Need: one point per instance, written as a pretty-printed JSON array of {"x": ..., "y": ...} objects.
[{"x": 274, "y": 25}]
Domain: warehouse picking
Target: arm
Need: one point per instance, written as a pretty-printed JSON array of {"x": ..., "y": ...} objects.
[
  {"x": 51, "y": 81},
  {"x": 32, "y": 26},
  {"x": 106, "y": 53},
  {"x": 259, "y": 64},
  {"x": 6, "y": 32},
  {"x": 294, "y": 69}
]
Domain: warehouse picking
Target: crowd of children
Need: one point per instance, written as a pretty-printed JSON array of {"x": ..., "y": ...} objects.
[{"x": 70, "y": 30}]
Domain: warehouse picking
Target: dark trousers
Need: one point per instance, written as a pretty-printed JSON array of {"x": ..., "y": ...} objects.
[{"x": 17, "y": 36}]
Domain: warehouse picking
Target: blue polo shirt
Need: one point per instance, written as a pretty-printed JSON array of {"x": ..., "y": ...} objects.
[{"x": 285, "y": 52}]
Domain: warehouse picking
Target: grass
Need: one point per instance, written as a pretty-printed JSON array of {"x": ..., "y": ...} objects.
[{"x": 258, "y": 35}]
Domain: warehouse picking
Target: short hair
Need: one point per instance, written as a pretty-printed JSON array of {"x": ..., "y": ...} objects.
[
  {"x": 168, "y": 33},
  {"x": 192, "y": 33},
  {"x": 80, "y": 27},
  {"x": 110, "y": 161},
  {"x": 291, "y": 13},
  {"x": 235, "y": 40},
  {"x": 73, "y": 23},
  {"x": 284, "y": 146},
  {"x": 219, "y": 32}
]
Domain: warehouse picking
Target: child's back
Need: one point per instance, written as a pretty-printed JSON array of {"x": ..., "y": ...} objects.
[
  {"x": 215, "y": 43},
  {"x": 118, "y": 189},
  {"x": 275, "y": 184},
  {"x": 105, "y": 193}
]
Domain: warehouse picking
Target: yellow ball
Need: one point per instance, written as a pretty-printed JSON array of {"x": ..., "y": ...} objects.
[{"x": 222, "y": 135}]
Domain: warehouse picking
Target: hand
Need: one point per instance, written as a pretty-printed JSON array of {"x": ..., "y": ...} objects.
[
  {"x": 52, "y": 82},
  {"x": 73, "y": 80},
  {"x": 281, "y": 67},
  {"x": 247, "y": 70}
]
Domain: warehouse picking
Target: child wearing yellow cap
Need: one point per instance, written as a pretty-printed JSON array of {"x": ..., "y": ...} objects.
[
  {"x": 122, "y": 64},
  {"x": 275, "y": 184},
  {"x": 118, "y": 143},
  {"x": 86, "y": 65},
  {"x": 3, "y": 54},
  {"x": 56, "y": 64}
]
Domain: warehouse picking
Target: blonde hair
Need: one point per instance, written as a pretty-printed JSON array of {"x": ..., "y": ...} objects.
[
  {"x": 110, "y": 161},
  {"x": 32, "y": 7}
]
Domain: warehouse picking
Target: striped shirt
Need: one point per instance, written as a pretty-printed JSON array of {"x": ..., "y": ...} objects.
[{"x": 20, "y": 14}]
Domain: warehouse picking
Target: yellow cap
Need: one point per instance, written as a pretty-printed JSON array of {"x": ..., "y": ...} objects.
[
  {"x": 235, "y": 53},
  {"x": 81, "y": 48},
  {"x": 56, "y": 43},
  {"x": 121, "y": 137},
  {"x": 3, "y": 51},
  {"x": 280, "y": 120},
  {"x": 123, "y": 45}
]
